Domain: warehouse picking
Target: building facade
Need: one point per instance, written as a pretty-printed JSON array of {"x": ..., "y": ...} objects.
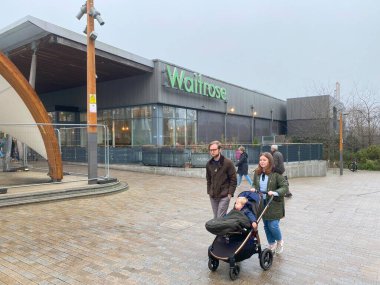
[
  {"x": 314, "y": 117},
  {"x": 142, "y": 101}
]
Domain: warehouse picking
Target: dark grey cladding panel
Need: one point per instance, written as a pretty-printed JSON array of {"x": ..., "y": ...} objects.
[
  {"x": 242, "y": 100},
  {"x": 314, "y": 107},
  {"x": 137, "y": 90}
]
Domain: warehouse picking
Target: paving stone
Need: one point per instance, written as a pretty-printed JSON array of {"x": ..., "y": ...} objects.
[{"x": 154, "y": 234}]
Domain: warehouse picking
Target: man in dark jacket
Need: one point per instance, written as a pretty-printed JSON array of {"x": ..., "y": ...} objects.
[
  {"x": 221, "y": 180},
  {"x": 279, "y": 167}
]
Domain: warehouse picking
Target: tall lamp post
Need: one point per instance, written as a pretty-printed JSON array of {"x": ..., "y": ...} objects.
[
  {"x": 225, "y": 120},
  {"x": 254, "y": 113},
  {"x": 92, "y": 136},
  {"x": 341, "y": 141},
  {"x": 271, "y": 122}
]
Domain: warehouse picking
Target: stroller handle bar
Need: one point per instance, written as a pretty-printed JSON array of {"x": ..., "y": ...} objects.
[{"x": 264, "y": 210}]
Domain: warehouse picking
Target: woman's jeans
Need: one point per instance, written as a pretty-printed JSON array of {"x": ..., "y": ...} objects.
[
  {"x": 240, "y": 178},
  {"x": 272, "y": 230}
]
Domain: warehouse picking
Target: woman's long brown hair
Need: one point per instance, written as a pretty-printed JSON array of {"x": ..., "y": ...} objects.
[{"x": 270, "y": 166}]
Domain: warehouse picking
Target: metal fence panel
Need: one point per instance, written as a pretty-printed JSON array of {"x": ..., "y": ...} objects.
[{"x": 72, "y": 141}]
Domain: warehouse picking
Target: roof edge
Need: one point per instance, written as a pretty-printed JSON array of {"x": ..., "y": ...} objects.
[{"x": 65, "y": 33}]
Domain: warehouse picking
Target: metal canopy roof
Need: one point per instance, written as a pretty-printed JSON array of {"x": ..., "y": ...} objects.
[{"x": 61, "y": 56}]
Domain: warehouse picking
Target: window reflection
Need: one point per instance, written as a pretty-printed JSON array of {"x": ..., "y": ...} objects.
[{"x": 148, "y": 125}]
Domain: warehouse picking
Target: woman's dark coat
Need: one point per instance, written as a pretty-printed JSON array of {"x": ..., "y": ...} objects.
[{"x": 242, "y": 164}]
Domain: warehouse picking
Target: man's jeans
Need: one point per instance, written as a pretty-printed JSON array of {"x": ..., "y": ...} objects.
[{"x": 219, "y": 206}]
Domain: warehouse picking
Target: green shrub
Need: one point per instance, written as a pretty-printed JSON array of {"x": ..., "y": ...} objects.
[
  {"x": 370, "y": 165},
  {"x": 368, "y": 158},
  {"x": 373, "y": 152}
]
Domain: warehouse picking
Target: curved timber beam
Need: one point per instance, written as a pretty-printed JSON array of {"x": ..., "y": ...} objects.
[{"x": 37, "y": 110}]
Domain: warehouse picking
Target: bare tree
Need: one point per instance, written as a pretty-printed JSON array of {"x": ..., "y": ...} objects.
[{"x": 363, "y": 120}]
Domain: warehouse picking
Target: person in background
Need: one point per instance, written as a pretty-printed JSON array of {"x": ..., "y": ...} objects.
[
  {"x": 279, "y": 167},
  {"x": 270, "y": 183},
  {"x": 221, "y": 180},
  {"x": 242, "y": 166},
  {"x": 237, "y": 154}
]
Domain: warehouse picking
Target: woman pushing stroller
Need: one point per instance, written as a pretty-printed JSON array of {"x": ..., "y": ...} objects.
[
  {"x": 270, "y": 183},
  {"x": 236, "y": 233}
]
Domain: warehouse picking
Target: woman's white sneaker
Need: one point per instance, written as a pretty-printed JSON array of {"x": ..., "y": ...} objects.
[
  {"x": 280, "y": 247},
  {"x": 273, "y": 247}
]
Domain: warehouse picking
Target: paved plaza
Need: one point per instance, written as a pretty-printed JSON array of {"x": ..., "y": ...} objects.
[{"x": 154, "y": 233}]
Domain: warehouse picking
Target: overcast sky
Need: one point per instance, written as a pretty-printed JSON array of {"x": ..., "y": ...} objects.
[{"x": 284, "y": 48}]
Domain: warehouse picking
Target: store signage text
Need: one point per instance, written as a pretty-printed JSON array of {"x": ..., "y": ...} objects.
[{"x": 194, "y": 84}]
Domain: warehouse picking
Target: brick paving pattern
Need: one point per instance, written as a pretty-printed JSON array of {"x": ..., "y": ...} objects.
[{"x": 154, "y": 234}]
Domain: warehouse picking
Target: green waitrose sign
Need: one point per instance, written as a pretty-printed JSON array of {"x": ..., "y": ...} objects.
[{"x": 194, "y": 84}]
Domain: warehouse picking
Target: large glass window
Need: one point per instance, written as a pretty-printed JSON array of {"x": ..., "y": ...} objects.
[
  {"x": 142, "y": 131},
  {"x": 122, "y": 132},
  {"x": 168, "y": 131},
  {"x": 168, "y": 112},
  {"x": 142, "y": 112},
  {"x": 180, "y": 113},
  {"x": 66, "y": 117},
  {"x": 179, "y": 126},
  {"x": 142, "y": 125},
  {"x": 191, "y": 132}
]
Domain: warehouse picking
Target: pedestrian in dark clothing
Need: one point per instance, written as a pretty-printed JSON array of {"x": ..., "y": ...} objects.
[
  {"x": 242, "y": 166},
  {"x": 221, "y": 180},
  {"x": 279, "y": 167}
]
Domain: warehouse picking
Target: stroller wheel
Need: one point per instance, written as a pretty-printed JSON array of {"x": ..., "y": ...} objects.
[
  {"x": 213, "y": 264},
  {"x": 266, "y": 259},
  {"x": 234, "y": 272}
]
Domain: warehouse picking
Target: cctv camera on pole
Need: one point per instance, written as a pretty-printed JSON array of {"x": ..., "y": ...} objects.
[{"x": 92, "y": 13}]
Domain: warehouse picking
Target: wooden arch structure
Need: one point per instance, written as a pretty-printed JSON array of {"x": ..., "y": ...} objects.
[{"x": 38, "y": 113}]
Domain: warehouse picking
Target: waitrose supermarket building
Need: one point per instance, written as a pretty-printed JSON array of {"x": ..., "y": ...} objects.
[{"x": 142, "y": 101}]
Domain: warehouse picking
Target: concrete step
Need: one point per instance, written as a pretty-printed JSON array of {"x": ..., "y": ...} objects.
[{"x": 54, "y": 194}]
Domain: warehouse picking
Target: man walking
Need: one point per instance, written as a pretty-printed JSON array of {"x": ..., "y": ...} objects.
[
  {"x": 279, "y": 167},
  {"x": 221, "y": 179}
]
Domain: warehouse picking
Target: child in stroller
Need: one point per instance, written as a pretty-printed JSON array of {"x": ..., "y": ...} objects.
[
  {"x": 240, "y": 218},
  {"x": 241, "y": 205},
  {"x": 236, "y": 233}
]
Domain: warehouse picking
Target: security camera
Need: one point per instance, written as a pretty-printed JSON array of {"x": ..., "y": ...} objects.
[
  {"x": 99, "y": 19},
  {"x": 82, "y": 11},
  {"x": 93, "y": 35},
  {"x": 95, "y": 13}
]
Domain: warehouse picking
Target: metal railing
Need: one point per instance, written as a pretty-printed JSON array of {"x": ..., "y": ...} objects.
[
  {"x": 198, "y": 155},
  {"x": 72, "y": 142}
]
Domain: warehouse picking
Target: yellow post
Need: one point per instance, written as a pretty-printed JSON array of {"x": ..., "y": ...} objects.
[
  {"x": 341, "y": 142},
  {"x": 91, "y": 98}
]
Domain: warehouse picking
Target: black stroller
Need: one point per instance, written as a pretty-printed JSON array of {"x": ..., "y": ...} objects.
[{"x": 238, "y": 246}]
